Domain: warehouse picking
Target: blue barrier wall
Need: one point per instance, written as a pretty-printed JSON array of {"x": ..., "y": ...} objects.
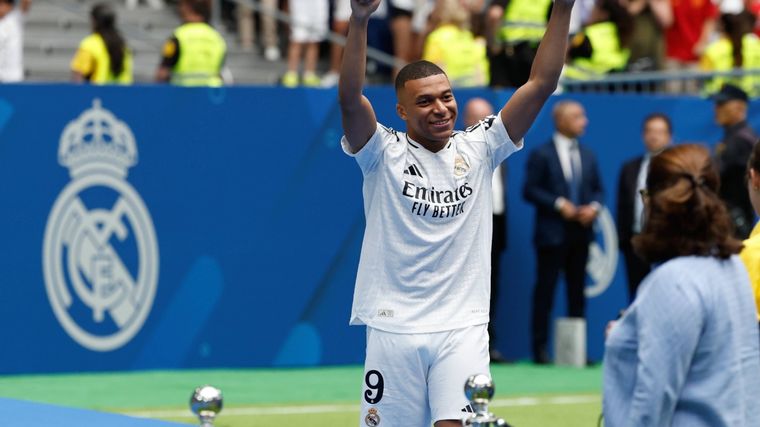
[{"x": 222, "y": 228}]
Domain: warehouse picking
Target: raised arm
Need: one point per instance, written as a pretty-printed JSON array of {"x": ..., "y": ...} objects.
[
  {"x": 359, "y": 121},
  {"x": 524, "y": 105}
]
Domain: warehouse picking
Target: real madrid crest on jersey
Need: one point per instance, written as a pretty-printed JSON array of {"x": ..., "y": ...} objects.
[
  {"x": 372, "y": 419},
  {"x": 100, "y": 256},
  {"x": 461, "y": 165}
]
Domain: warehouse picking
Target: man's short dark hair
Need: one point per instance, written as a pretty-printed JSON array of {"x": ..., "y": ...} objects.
[
  {"x": 655, "y": 116},
  {"x": 416, "y": 70}
]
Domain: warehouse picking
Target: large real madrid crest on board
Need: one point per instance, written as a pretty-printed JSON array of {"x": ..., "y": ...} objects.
[{"x": 100, "y": 255}]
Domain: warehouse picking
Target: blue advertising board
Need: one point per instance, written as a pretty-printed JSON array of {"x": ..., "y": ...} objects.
[{"x": 159, "y": 227}]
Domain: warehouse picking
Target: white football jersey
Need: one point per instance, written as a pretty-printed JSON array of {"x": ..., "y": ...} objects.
[{"x": 425, "y": 259}]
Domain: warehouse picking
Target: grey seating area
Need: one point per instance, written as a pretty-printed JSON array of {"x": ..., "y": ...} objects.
[{"x": 54, "y": 28}]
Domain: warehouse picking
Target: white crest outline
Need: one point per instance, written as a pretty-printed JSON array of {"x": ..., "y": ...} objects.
[
  {"x": 602, "y": 261},
  {"x": 72, "y": 226}
]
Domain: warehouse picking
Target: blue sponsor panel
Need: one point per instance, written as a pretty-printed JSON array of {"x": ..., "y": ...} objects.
[
  {"x": 159, "y": 227},
  {"x": 31, "y": 414}
]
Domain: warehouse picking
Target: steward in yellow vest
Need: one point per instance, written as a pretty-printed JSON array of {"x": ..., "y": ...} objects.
[
  {"x": 524, "y": 21},
  {"x": 103, "y": 57},
  {"x": 596, "y": 51},
  {"x": 514, "y": 29},
  {"x": 195, "y": 55},
  {"x": 459, "y": 54},
  {"x": 737, "y": 48}
]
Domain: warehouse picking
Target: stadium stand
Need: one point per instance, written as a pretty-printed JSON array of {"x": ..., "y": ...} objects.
[{"x": 54, "y": 28}]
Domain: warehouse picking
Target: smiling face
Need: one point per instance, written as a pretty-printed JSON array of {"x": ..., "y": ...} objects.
[{"x": 428, "y": 107}]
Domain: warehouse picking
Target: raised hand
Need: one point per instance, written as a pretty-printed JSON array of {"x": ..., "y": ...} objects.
[{"x": 363, "y": 8}]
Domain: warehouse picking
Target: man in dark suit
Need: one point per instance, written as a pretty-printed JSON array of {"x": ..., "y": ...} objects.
[
  {"x": 657, "y": 133},
  {"x": 563, "y": 183}
]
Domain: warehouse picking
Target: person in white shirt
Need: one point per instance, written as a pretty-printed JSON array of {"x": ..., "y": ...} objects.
[
  {"x": 12, "y": 40},
  {"x": 423, "y": 283}
]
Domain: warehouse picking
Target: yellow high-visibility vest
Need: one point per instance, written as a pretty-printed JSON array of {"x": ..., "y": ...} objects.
[
  {"x": 525, "y": 20},
  {"x": 607, "y": 54},
  {"x": 201, "y": 55},
  {"x": 719, "y": 56},
  {"x": 459, "y": 54},
  {"x": 92, "y": 60}
]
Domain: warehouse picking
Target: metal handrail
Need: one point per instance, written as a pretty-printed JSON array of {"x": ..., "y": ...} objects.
[{"x": 623, "y": 81}]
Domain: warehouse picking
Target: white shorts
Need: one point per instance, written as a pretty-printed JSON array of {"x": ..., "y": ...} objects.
[
  {"x": 310, "y": 20},
  {"x": 417, "y": 379},
  {"x": 342, "y": 10}
]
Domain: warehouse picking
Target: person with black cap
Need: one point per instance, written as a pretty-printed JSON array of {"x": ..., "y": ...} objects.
[{"x": 732, "y": 152}]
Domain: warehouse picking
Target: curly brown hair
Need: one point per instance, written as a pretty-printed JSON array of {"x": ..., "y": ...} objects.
[{"x": 684, "y": 214}]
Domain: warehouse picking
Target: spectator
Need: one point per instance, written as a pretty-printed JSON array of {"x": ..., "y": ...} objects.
[
  {"x": 686, "y": 39},
  {"x": 476, "y": 110},
  {"x": 733, "y": 152},
  {"x": 422, "y": 24},
  {"x": 647, "y": 44},
  {"x": 453, "y": 47},
  {"x": 685, "y": 353},
  {"x": 400, "y": 13},
  {"x": 512, "y": 46},
  {"x": 103, "y": 57},
  {"x": 657, "y": 134},
  {"x": 194, "y": 55},
  {"x": 562, "y": 181},
  {"x": 602, "y": 46},
  {"x": 341, "y": 13},
  {"x": 269, "y": 37},
  {"x": 736, "y": 48},
  {"x": 12, "y": 40},
  {"x": 245, "y": 26},
  {"x": 308, "y": 29}
]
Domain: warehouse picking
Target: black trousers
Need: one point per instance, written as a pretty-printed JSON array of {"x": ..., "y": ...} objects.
[
  {"x": 569, "y": 258},
  {"x": 498, "y": 244},
  {"x": 510, "y": 67},
  {"x": 636, "y": 269}
]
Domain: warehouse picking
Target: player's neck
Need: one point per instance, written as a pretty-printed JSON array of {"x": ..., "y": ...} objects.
[{"x": 431, "y": 145}]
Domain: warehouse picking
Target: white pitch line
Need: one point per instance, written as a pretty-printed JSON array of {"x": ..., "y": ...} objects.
[{"x": 322, "y": 409}]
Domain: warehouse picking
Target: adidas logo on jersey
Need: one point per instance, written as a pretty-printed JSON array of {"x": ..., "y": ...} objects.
[
  {"x": 468, "y": 408},
  {"x": 413, "y": 170}
]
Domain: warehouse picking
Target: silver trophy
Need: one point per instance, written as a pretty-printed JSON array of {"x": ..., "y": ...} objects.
[
  {"x": 206, "y": 403},
  {"x": 479, "y": 390}
]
